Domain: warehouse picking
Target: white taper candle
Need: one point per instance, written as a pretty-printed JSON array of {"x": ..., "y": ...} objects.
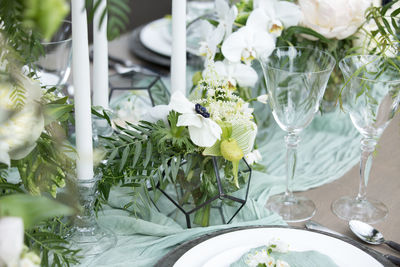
[
  {"x": 81, "y": 81},
  {"x": 100, "y": 58},
  {"x": 178, "y": 56}
]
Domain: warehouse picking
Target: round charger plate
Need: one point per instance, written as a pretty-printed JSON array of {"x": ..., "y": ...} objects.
[
  {"x": 221, "y": 248},
  {"x": 156, "y": 36}
]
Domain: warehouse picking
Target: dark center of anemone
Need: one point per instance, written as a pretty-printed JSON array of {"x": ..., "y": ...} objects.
[{"x": 201, "y": 110}]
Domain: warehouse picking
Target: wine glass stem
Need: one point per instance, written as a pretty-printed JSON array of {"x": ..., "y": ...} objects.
[
  {"x": 291, "y": 140},
  {"x": 367, "y": 149}
]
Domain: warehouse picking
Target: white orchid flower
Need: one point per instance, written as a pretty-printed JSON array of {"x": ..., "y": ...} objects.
[
  {"x": 246, "y": 44},
  {"x": 11, "y": 240},
  {"x": 236, "y": 73},
  {"x": 213, "y": 37},
  {"x": 203, "y": 131},
  {"x": 273, "y": 15},
  {"x": 226, "y": 15}
]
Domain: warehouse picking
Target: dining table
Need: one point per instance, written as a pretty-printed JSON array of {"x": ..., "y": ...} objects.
[{"x": 384, "y": 182}]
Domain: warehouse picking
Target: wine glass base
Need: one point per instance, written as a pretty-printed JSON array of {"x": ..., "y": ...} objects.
[
  {"x": 91, "y": 240},
  {"x": 370, "y": 211},
  {"x": 295, "y": 209}
]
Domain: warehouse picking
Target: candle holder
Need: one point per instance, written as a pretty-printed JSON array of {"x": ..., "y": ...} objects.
[{"x": 86, "y": 234}]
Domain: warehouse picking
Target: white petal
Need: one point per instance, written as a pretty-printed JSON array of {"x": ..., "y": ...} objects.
[
  {"x": 220, "y": 69},
  {"x": 207, "y": 135},
  {"x": 4, "y": 157},
  {"x": 258, "y": 19},
  {"x": 11, "y": 239},
  {"x": 230, "y": 19},
  {"x": 221, "y": 7},
  {"x": 214, "y": 128},
  {"x": 232, "y": 47},
  {"x": 263, "y": 43},
  {"x": 245, "y": 75},
  {"x": 189, "y": 119},
  {"x": 157, "y": 113},
  {"x": 180, "y": 103},
  {"x": 288, "y": 13},
  {"x": 215, "y": 38}
]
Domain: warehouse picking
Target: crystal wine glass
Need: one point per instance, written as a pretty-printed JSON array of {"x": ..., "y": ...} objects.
[
  {"x": 54, "y": 66},
  {"x": 371, "y": 97},
  {"x": 296, "y": 79}
]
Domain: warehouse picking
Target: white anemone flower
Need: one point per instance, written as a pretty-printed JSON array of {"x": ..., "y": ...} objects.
[
  {"x": 236, "y": 73},
  {"x": 226, "y": 15},
  {"x": 274, "y": 15},
  {"x": 203, "y": 131},
  {"x": 247, "y": 44},
  {"x": 11, "y": 240}
]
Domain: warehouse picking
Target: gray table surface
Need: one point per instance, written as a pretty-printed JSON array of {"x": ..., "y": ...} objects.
[{"x": 384, "y": 180}]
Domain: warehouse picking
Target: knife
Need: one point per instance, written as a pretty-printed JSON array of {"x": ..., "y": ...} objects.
[
  {"x": 316, "y": 226},
  {"x": 312, "y": 225}
]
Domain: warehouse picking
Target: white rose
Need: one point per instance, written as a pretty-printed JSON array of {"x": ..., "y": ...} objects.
[
  {"x": 334, "y": 19},
  {"x": 18, "y": 134},
  {"x": 11, "y": 240}
]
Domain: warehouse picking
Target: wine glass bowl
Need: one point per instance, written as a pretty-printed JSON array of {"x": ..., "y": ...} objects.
[
  {"x": 371, "y": 97},
  {"x": 53, "y": 67},
  {"x": 296, "y": 79}
]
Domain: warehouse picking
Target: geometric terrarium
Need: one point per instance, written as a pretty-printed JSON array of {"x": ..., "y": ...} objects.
[{"x": 201, "y": 196}]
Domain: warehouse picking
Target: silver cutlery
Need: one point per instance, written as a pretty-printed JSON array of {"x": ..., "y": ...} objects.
[
  {"x": 312, "y": 225},
  {"x": 370, "y": 235}
]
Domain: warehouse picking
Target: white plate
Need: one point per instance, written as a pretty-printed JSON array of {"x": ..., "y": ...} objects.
[
  {"x": 227, "y": 248},
  {"x": 156, "y": 36}
]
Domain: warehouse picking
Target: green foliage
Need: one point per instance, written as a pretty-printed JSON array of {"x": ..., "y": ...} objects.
[
  {"x": 24, "y": 42},
  {"x": 45, "y": 168},
  {"x": 32, "y": 209},
  {"x": 48, "y": 238}
]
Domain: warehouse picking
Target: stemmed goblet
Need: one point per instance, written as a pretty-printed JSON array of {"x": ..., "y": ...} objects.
[
  {"x": 296, "y": 79},
  {"x": 54, "y": 65},
  {"x": 371, "y": 96}
]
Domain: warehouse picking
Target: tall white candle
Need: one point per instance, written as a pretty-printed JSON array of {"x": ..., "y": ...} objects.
[
  {"x": 178, "y": 56},
  {"x": 81, "y": 81},
  {"x": 100, "y": 58}
]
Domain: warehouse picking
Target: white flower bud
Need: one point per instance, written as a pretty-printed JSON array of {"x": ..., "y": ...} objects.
[{"x": 263, "y": 99}]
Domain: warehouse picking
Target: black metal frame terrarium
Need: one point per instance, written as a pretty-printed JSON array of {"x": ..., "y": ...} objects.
[
  {"x": 152, "y": 85},
  {"x": 184, "y": 213}
]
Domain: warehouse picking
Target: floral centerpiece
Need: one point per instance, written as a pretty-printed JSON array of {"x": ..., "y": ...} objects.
[
  {"x": 174, "y": 143},
  {"x": 239, "y": 33}
]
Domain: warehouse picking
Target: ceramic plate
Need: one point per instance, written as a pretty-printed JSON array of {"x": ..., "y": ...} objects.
[
  {"x": 156, "y": 36},
  {"x": 226, "y": 248}
]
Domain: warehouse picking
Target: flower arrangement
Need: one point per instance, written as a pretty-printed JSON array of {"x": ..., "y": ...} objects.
[
  {"x": 215, "y": 122},
  {"x": 237, "y": 34}
]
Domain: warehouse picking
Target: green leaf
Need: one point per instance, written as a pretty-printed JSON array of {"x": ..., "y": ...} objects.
[
  {"x": 138, "y": 151},
  {"x": 32, "y": 209},
  {"x": 148, "y": 154},
  {"x": 124, "y": 158},
  {"x": 54, "y": 112}
]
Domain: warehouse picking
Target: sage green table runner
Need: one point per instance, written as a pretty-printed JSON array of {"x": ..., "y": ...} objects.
[{"x": 329, "y": 148}]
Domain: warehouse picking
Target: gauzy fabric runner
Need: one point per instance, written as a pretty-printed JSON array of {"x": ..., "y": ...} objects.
[{"x": 329, "y": 147}]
